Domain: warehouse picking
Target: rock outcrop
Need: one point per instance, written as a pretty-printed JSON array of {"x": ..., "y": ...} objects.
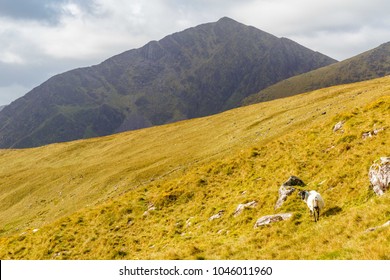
[
  {"x": 372, "y": 133},
  {"x": 287, "y": 189},
  {"x": 241, "y": 207},
  {"x": 217, "y": 216},
  {"x": 379, "y": 176},
  {"x": 266, "y": 220}
]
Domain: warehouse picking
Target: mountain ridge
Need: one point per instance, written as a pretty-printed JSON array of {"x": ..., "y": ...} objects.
[
  {"x": 374, "y": 63},
  {"x": 200, "y": 71}
]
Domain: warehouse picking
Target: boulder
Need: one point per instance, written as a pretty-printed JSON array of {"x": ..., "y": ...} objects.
[
  {"x": 284, "y": 192},
  {"x": 266, "y": 220},
  {"x": 287, "y": 189},
  {"x": 241, "y": 207},
  {"x": 294, "y": 181},
  {"x": 379, "y": 176}
]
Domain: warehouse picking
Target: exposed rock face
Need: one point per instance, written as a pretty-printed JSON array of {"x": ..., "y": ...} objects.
[
  {"x": 379, "y": 175},
  {"x": 287, "y": 189},
  {"x": 272, "y": 219},
  {"x": 241, "y": 207}
]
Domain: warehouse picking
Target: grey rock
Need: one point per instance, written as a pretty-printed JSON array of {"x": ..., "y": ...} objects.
[
  {"x": 217, "y": 216},
  {"x": 287, "y": 189},
  {"x": 379, "y": 175},
  {"x": 284, "y": 192},
  {"x": 266, "y": 220},
  {"x": 241, "y": 207},
  {"x": 294, "y": 181},
  {"x": 338, "y": 126}
]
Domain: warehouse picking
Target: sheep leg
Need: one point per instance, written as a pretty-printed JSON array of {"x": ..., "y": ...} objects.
[{"x": 316, "y": 213}]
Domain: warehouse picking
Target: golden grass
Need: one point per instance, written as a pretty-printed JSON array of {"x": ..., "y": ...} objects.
[{"x": 88, "y": 198}]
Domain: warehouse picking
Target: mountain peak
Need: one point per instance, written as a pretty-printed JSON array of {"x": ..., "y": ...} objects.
[{"x": 227, "y": 20}]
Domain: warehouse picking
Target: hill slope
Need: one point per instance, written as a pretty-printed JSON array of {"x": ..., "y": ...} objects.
[
  {"x": 372, "y": 64},
  {"x": 148, "y": 194},
  {"x": 197, "y": 72}
]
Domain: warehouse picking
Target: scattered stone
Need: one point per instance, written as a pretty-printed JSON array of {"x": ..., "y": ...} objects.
[
  {"x": 35, "y": 230},
  {"x": 379, "y": 176},
  {"x": 241, "y": 207},
  {"x": 188, "y": 222},
  {"x": 151, "y": 207},
  {"x": 382, "y": 226},
  {"x": 217, "y": 216},
  {"x": 338, "y": 126},
  {"x": 266, "y": 220},
  {"x": 130, "y": 221},
  {"x": 287, "y": 189},
  {"x": 330, "y": 148},
  {"x": 372, "y": 133}
]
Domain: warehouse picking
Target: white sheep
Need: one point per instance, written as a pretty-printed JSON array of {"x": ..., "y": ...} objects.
[{"x": 314, "y": 201}]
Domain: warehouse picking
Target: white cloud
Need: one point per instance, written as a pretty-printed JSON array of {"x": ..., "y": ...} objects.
[
  {"x": 339, "y": 29},
  {"x": 10, "y": 58}
]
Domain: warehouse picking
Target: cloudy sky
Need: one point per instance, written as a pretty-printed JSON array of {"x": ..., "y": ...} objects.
[{"x": 41, "y": 38}]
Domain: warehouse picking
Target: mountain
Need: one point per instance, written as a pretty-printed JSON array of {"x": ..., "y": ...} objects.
[
  {"x": 149, "y": 193},
  {"x": 197, "y": 72},
  {"x": 2, "y": 107},
  {"x": 372, "y": 64}
]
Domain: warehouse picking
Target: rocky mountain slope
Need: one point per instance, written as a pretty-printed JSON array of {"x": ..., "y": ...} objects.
[
  {"x": 172, "y": 191},
  {"x": 197, "y": 72},
  {"x": 372, "y": 64}
]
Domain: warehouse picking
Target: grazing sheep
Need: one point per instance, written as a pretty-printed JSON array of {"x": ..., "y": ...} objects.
[{"x": 314, "y": 201}]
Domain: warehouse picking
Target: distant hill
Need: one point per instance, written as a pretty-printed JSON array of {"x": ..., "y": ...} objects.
[
  {"x": 2, "y": 107},
  {"x": 197, "y": 72},
  {"x": 374, "y": 63}
]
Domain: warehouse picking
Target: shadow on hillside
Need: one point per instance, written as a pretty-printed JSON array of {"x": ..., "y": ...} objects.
[{"x": 332, "y": 211}]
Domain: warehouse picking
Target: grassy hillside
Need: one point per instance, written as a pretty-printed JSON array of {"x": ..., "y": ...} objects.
[
  {"x": 371, "y": 64},
  {"x": 90, "y": 199}
]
